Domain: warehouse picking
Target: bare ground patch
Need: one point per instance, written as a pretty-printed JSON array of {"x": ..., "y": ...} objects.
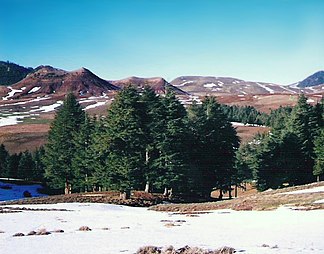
[{"x": 262, "y": 201}]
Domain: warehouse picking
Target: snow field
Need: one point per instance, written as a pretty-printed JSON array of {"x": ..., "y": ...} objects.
[
  {"x": 305, "y": 191},
  {"x": 284, "y": 231}
]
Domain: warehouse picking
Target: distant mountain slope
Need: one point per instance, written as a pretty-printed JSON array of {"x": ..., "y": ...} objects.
[
  {"x": 49, "y": 80},
  {"x": 11, "y": 73},
  {"x": 201, "y": 85},
  {"x": 159, "y": 85},
  {"x": 313, "y": 80}
]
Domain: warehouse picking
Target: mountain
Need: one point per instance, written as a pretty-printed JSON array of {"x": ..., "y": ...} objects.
[
  {"x": 208, "y": 85},
  {"x": 11, "y": 73},
  {"x": 314, "y": 80},
  {"x": 159, "y": 85},
  {"x": 49, "y": 80}
]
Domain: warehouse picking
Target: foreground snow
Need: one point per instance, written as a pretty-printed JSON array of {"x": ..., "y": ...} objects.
[{"x": 120, "y": 229}]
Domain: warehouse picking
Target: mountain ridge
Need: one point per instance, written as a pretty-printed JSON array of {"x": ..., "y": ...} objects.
[{"x": 46, "y": 79}]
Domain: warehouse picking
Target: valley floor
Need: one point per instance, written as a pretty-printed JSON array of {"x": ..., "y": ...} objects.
[{"x": 121, "y": 229}]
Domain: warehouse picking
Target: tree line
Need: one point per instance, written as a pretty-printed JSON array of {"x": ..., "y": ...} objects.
[
  {"x": 26, "y": 165},
  {"x": 152, "y": 142},
  {"x": 291, "y": 153},
  {"x": 145, "y": 142}
]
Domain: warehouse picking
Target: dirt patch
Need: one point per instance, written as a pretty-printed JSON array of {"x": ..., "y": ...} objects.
[
  {"x": 268, "y": 200},
  {"x": 138, "y": 199},
  {"x": 22, "y": 137},
  {"x": 247, "y": 133}
]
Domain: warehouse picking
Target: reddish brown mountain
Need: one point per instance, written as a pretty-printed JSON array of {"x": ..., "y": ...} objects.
[
  {"x": 159, "y": 85},
  {"x": 49, "y": 80}
]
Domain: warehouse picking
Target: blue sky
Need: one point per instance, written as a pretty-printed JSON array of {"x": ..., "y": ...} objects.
[{"x": 279, "y": 41}]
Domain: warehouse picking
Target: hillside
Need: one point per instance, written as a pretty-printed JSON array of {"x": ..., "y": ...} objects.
[
  {"x": 303, "y": 197},
  {"x": 47, "y": 80},
  {"x": 11, "y": 73},
  {"x": 220, "y": 86},
  {"x": 313, "y": 80},
  {"x": 159, "y": 85}
]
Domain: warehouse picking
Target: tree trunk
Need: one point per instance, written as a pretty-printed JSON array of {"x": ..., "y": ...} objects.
[
  {"x": 318, "y": 178},
  {"x": 230, "y": 193},
  {"x": 147, "y": 187},
  {"x": 220, "y": 194},
  {"x": 170, "y": 193},
  {"x": 125, "y": 194},
  {"x": 165, "y": 191},
  {"x": 67, "y": 188}
]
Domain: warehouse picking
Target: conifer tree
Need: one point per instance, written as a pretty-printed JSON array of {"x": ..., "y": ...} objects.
[
  {"x": 172, "y": 161},
  {"x": 3, "y": 160},
  {"x": 215, "y": 145},
  {"x": 303, "y": 123},
  {"x": 83, "y": 157},
  {"x": 12, "y": 165},
  {"x": 121, "y": 145},
  {"x": 26, "y": 166},
  {"x": 153, "y": 122},
  {"x": 39, "y": 167},
  {"x": 60, "y": 149},
  {"x": 318, "y": 170}
]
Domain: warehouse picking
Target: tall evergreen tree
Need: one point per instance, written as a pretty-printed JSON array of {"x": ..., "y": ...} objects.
[
  {"x": 3, "y": 160},
  {"x": 26, "y": 166},
  {"x": 83, "y": 157},
  {"x": 215, "y": 145},
  {"x": 60, "y": 149},
  {"x": 121, "y": 145},
  {"x": 39, "y": 167},
  {"x": 172, "y": 162},
  {"x": 303, "y": 123},
  {"x": 318, "y": 170},
  {"x": 12, "y": 165},
  {"x": 153, "y": 124}
]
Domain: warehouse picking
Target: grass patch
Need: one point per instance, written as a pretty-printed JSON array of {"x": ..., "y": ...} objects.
[{"x": 34, "y": 120}]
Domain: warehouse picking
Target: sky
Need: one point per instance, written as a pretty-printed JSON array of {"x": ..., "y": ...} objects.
[{"x": 278, "y": 41}]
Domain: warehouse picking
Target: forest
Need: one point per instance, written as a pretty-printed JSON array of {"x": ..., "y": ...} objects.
[{"x": 153, "y": 143}]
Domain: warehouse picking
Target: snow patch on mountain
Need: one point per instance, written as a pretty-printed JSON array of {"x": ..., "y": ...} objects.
[
  {"x": 210, "y": 85},
  {"x": 12, "y": 93},
  {"x": 266, "y": 88},
  {"x": 34, "y": 89}
]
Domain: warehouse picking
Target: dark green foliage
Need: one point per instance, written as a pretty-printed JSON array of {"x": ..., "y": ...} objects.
[
  {"x": 172, "y": 161},
  {"x": 214, "y": 145},
  {"x": 286, "y": 155},
  {"x": 279, "y": 162},
  {"x": 153, "y": 126},
  {"x": 11, "y": 73},
  {"x": 60, "y": 149},
  {"x": 277, "y": 118},
  {"x": 246, "y": 114},
  {"x": 303, "y": 123},
  {"x": 3, "y": 160},
  {"x": 26, "y": 166},
  {"x": 39, "y": 167},
  {"x": 82, "y": 160},
  {"x": 12, "y": 166},
  {"x": 318, "y": 170},
  {"x": 121, "y": 144},
  {"x": 245, "y": 164}
]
